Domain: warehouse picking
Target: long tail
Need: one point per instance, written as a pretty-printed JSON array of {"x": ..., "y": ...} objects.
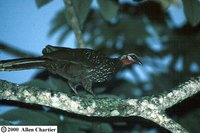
[{"x": 22, "y": 64}]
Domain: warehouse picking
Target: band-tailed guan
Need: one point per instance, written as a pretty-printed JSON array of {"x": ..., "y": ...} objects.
[{"x": 79, "y": 66}]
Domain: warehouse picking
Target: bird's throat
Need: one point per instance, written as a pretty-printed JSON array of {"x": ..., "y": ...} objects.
[{"x": 126, "y": 62}]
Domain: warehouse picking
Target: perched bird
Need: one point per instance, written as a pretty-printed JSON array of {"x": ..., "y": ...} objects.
[{"x": 79, "y": 66}]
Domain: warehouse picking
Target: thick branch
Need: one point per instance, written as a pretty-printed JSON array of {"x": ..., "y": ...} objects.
[
  {"x": 151, "y": 108},
  {"x": 74, "y": 23},
  {"x": 14, "y": 51},
  {"x": 181, "y": 93}
]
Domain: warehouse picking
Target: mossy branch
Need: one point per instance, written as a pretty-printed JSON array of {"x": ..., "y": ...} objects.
[{"x": 151, "y": 108}]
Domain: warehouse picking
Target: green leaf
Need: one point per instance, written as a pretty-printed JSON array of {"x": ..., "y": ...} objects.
[
  {"x": 105, "y": 128},
  {"x": 25, "y": 116},
  {"x": 132, "y": 27},
  {"x": 191, "y": 121},
  {"x": 76, "y": 125},
  {"x": 63, "y": 35},
  {"x": 4, "y": 122},
  {"x": 58, "y": 22},
  {"x": 108, "y": 8},
  {"x": 41, "y": 3},
  {"x": 192, "y": 11},
  {"x": 82, "y": 9},
  {"x": 166, "y": 3}
]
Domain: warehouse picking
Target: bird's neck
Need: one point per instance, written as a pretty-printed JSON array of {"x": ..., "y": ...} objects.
[{"x": 118, "y": 64}]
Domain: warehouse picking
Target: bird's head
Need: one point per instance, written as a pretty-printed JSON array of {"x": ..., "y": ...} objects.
[{"x": 130, "y": 59}]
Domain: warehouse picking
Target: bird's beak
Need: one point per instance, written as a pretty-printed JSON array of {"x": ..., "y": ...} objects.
[{"x": 137, "y": 61}]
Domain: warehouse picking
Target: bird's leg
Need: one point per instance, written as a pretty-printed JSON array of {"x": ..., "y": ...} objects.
[
  {"x": 73, "y": 87},
  {"x": 87, "y": 85}
]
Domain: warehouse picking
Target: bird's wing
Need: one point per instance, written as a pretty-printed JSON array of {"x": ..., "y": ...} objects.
[{"x": 85, "y": 57}]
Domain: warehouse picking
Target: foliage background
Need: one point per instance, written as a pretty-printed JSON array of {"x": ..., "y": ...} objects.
[{"x": 169, "y": 50}]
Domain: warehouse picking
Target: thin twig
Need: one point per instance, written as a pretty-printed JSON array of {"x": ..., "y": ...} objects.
[
  {"x": 14, "y": 51},
  {"x": 74, "y": 23}
]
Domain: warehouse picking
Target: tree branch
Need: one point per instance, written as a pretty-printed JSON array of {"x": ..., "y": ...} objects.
[
  {"x": 151, "y": 108},
  {"x": 181, "y": 93},
  {"x": 11, "y": 50},
  {"x": 73, "y": 18}
]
